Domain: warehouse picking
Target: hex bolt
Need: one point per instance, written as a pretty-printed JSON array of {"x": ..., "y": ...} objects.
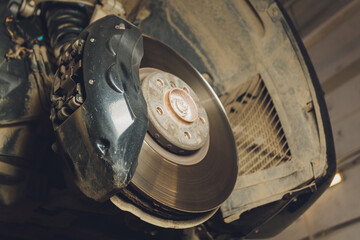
[
  {"x": 92, "y": 40},
  {"x": 121, "y": 26},
  {"x": 91, "y": 81},
  {"x": 309, "y": 106}
]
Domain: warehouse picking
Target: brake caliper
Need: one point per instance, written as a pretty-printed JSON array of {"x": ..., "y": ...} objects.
[{"x": 98, "y": 109}]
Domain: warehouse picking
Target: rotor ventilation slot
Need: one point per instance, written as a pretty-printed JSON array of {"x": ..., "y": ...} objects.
[{"x": 260, "y": 138}]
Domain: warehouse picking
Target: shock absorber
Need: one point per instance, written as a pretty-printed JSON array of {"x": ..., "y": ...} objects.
[{"x": 64, "y": 23}]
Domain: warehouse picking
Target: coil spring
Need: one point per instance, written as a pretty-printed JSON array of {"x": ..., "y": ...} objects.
[{"x": 64, "y": 23}]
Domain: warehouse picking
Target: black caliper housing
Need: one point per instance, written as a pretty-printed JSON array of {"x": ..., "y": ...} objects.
[{"x": 98, "y": 109}]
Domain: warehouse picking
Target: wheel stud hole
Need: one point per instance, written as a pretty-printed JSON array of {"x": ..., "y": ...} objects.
[
  {"x": 160, "y": 82},
  {"x": 187, "y": 135},
  {"x": 186, "y": 90},
  {"x": 159, "y": 111},
  {"x": 172, "y": 84}
]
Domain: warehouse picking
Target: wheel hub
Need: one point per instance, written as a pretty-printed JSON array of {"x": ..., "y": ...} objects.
[{"x": 177, "y": 119}]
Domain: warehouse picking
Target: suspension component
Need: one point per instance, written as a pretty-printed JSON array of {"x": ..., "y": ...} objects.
[
  {"x": 64, "y": 23},
  {"x": 68, "y": 93}
]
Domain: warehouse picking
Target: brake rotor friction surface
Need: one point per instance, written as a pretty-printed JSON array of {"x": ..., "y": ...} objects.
[{"x": 198, "y": 187}]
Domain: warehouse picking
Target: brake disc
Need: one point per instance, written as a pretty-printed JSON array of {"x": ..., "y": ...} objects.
[{"x": 188, "y": 161}]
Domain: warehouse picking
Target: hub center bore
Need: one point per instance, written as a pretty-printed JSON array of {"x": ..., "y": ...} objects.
[{"x": 182, "y": 105}]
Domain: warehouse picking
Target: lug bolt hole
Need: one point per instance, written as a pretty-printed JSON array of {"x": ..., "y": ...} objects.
[
  {"x": 186, "y": 90},
  {"x": 159, "y": 110},
  {"x": 187, "y": 135},
  {"x": 160, "y": 82}
]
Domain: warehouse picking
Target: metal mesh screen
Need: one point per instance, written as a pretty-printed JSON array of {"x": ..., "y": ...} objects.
[{"x": 260, "y": 139}]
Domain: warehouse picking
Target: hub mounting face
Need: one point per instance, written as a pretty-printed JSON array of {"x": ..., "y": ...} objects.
[{"x": 177, "y": 119}]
